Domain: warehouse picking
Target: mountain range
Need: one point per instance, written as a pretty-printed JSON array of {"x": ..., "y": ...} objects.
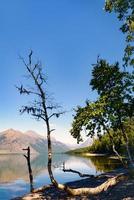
[
  {"x": 13, "y": 141},
  {"x": 86, "y": 143}
]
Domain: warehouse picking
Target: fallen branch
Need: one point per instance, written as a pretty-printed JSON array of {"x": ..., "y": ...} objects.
[
  {"x": 41, "y": 189},
  {"x": 93, "y": 191},
  {"x": 86, "y": 175},
  {"x": 87, "y": 191},
  {"x": 76, "y": 172}
]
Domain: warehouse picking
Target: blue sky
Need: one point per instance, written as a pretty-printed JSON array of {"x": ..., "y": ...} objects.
[{"x": 67, "y": 36}]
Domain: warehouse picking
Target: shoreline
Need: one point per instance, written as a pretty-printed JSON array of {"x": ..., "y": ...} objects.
[
  {"x": 121, "y": 191},
  {"x": 93, "y": 154},
  {"x": 96, "y": 155}
]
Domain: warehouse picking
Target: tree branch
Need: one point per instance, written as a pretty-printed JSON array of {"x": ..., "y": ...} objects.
[
  {"x": 56, "y": 114},
  {"x": 76, "y": 172},
  {"x": 23, "y": 90}
]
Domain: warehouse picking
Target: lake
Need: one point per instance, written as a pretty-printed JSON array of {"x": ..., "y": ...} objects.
[{"x": 14, "y": 174}]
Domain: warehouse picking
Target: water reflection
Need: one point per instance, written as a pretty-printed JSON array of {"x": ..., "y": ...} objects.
[
  {"x": 104, "y": 164},
  {"x": 14, "y": 167},
  {"x": 14, "y": 174}
]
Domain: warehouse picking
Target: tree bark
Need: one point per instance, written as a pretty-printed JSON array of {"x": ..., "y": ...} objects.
[
  {"x": 113, "y": 146},
  {"x": 127, "y": 146},
  {"x": 118, "y": 155},
  {"x": 127, "y": 140},
  {"x": 94, "y": 191},
  {"x": 29, "y": 168}
]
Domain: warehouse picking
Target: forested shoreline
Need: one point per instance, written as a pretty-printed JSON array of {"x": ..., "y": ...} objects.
[{"x": 102, "y": 144}]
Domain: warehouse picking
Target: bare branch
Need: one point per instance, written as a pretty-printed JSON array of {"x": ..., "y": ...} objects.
[
  {"x": 76, "y": 172},
  {"x": 30, "y": 57},
  {"x": 23, "y": 90},
  {"x": 39, "y": 116},
  {"x": 26, "y": 65},
  {"x": 26, "y": 149},
  {"x": 34, "y": 111},
  {"x": 52, "y": 130},
  {"x": 56, "y": 115},
  {"x": 25, "y": 156},
  {"x": 53, "y": 106},
  {"x": 35, "y": 66}
]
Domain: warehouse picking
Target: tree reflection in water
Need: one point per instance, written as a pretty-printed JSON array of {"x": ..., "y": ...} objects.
[{"x": 14, "y": 167}]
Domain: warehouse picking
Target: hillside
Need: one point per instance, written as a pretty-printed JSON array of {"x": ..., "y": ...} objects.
[
  {"x": 13, "y": 141},
  {"x": 79, "y": 150},
  {"x": 86, "y": 143}
]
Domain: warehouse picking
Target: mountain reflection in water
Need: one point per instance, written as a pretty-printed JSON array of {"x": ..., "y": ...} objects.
[{"x": 14, "y": 174}]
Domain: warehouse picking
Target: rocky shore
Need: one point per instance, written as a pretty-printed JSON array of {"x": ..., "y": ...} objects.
[{"x": 124, "y": 190}]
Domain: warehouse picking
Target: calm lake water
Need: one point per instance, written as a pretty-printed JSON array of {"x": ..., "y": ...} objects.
[{"x": 14, "y": 174}]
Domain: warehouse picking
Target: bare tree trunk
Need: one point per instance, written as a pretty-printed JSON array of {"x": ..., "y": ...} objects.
[
  {"x": 127, "y": 141},
  {"x": 119, "y": 156},
  {"x": 29, "y": 168},
  {"x": 127, "y": 146},
  {"x": 113, "y": 146},
  {"x": 49, "y": 165},
  {"x": 54, "y": 182},
  {"x": 128, "y": 151}
]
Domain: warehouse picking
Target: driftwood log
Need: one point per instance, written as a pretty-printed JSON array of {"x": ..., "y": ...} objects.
[
  {"x": 76, "y": 172},
  {"x": 87, "y": 191}
]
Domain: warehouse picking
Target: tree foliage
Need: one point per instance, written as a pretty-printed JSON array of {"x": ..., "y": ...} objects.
[
  {"x": 115, "y": 105},
  {"x": 125, "y": 13},
  {"x": 104, "y": 145}
]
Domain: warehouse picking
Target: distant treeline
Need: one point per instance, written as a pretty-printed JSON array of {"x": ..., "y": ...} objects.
[{"x": 103, "y": 145}]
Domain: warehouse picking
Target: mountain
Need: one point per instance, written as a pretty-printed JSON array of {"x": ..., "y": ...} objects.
[
  {"x": 79, "y": 147},
  {"x": 13, "y": 141},
  {"x": 87, "y": 143}
]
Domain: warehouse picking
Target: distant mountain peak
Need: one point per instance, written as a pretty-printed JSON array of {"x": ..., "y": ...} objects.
[
  {"x": 33, "y": 134},
  {"x": 10, "y": 130},
  {"x": 86, "y": 143},
  {"x": 14, "y": 141}
]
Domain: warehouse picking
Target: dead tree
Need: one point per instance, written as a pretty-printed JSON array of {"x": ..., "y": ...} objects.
[
  {"x": 76, "y": 172},
  {"x": 42, "y": 108},
  {"x": 27, "y": 156}
]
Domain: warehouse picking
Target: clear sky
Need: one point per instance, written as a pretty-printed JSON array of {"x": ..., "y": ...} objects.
[{"x": 67, "y": 36}]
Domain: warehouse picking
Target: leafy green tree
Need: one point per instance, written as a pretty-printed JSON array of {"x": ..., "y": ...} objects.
[
  {"x": 103, "y": 144},
  {"x": 125, "y": 13},
  {"x": 114, "y": 105},
  {"x": 117, "y": 87}
]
